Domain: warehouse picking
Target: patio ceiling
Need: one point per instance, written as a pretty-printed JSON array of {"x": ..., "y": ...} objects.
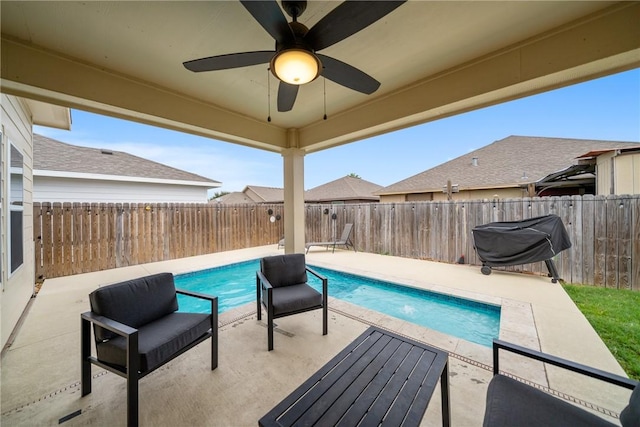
[{"x": 433, "y": 59}]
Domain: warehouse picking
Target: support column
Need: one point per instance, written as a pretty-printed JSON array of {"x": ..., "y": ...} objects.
[{"x": 294, "y": 215}]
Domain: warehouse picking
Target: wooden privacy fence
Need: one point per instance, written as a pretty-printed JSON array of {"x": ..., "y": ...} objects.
[
  {"x": 72, "y": 238},
  {"x": 77, "y": 238},
  {"x": 604, "y": 231}
]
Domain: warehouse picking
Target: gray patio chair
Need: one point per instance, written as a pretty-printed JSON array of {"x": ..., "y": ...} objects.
[
  {"x": 281, "y": 286},
  {"x": 514, "y": 403},
  {"x": 345, "y": 240},
  {"x": 137, "y": 329}
]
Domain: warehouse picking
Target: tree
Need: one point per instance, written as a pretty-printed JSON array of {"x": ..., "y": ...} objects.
[
  {"x": 218, "y": 194},
  {"x": 354, "y": 175}
]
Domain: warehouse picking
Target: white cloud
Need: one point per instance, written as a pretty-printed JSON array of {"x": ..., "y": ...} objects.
[{"x": 234, "y": 167}]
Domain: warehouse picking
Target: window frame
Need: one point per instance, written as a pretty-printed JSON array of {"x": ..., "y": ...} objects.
[{"x": 15, "y": 205}]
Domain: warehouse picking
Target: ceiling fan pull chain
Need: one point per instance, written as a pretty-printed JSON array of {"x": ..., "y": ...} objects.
[
  {"x": 324, "y": 80},
  {"x": 268, "y": 96}
]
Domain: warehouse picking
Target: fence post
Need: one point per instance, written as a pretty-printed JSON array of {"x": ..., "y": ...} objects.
[
  {"x": 37, "y": 245},
  {"x": 83, "y": 237}
]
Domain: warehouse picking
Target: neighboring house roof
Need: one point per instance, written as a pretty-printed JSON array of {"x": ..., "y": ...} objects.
[
  {"x": 509, "y": 162},
  {"x": 596, "y": 153},
  {"x": 234, "y": 197},
  {"x": 264, "y": 194},
  {"x": 343, "y": 189},
  {"x": 55, "y": 158}
]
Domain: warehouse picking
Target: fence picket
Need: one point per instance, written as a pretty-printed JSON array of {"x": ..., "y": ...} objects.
[
  {"x": 58, "y": 259},
  {"x": 67, "y": 239},
  {"x": 37, "y": 246},
  {"x": 72, "y": 239},
  {"x": 624, "y": 243}
]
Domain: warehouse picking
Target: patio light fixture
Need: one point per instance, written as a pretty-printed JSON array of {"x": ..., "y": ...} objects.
[{"x": 295, "y": 66}]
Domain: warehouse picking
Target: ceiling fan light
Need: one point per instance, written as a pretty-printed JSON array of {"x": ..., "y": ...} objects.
[{"x": 296, "y": 66}]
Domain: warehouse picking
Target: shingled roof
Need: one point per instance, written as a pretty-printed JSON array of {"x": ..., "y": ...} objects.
[
  {"x": 264, "y": 194},
  {"x": 509, "y": 162},
  {"x": 233, "y": 197},
  {"x": 52, "y": 155},
  {"x": 343, "y": 189}
]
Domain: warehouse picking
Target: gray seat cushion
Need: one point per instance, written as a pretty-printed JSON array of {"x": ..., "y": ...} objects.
[
  {"x": 284, "y": 270},
  {"x": 512, "y": 403},
  {"x": 134, "y": 302},
  {"x": 158, "y": 340},
  {"x": 291, "y": 299},
  {"x": 630, "y": 416}
]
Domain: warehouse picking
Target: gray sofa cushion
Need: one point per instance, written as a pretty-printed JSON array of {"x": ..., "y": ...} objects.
[
  {"x": 284, "y": 270},
  {"x": 158, "y": 340},
  {"x": 630, "y": 416},
  {"x": 512, "y": 403},
  {"x": 294, "y": 298},
  {"x": 134, "y": 302}
]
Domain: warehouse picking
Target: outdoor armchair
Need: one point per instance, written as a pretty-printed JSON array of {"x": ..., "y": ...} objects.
[
  {"x": 514, "y": 403},
  {"x": 281, "y": 286},
  {"x": 137, "y": 329}
]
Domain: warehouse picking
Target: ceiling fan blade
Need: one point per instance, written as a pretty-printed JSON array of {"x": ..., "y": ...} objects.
[
  {"x": 270, "y": 16},
  {"x": 346, "y": 20},
  {"x": 286, "y": 96},
  {"x": 347, "y": 75},
  {"x": 232, "y": 60}
]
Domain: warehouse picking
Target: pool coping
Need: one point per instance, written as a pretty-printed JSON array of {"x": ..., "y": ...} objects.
[
  {"x": 517, "y": 322},
  {"x": 516, "y": 318},
  {"x": 532, "y": 309}
]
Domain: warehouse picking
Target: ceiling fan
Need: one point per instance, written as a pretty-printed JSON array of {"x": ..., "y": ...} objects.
[{"x": 295, "y": 60}]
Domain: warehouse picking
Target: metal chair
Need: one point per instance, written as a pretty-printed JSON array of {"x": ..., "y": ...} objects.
[
  {"x": 137, "y": 329},
  {"x": 281, "y": 286}
]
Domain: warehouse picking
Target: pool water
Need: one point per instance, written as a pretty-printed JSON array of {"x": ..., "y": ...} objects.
[{"x": 235, "y": 285}]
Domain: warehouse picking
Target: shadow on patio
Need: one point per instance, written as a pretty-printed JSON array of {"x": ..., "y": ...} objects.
[{"x": 41, "y": 369}]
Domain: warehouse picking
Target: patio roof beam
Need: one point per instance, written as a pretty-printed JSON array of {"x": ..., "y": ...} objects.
[
  {"x": 74, "y": 84},
  {"x": 600, "y": 44}
]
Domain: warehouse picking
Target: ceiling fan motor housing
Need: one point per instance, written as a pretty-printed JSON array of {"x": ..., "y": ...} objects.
[
  {"x": 298, "y": 43},
  {"x": 294, "y": 8}
]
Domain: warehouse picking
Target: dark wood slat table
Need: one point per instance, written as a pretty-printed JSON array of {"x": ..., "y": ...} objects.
[{"x": 380, "y": 378}]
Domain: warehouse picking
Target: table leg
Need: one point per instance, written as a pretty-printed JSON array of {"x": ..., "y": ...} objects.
[{"x": 444, "y": 390}]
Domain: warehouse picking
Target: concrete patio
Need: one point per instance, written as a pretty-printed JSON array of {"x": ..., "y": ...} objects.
[{"x": 41, "y": 368}]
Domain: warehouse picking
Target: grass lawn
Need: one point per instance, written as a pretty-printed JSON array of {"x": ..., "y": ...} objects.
[{"x": 615, "y": 315}]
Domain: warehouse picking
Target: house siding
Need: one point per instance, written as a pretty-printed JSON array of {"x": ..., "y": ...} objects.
[
  {"x": 618, "y": 174},
  {"x": 491, "y": 193},
  {"x": 395, "y": 198},
  {"x": 54, "y": 189},
  {"x": 17, "y": 287},
  {"x": 603, "y": 174},
  {"x": 628, "y": 174},
  {"x": 419, "y": 197}
]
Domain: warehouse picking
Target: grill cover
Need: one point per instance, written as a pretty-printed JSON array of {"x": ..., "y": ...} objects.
[{"x": 520, "y": 242}]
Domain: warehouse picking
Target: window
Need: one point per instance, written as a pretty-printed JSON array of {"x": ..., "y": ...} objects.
[
  {"x": 16, "y": 198},
  {"x": 2, "y": 192}
]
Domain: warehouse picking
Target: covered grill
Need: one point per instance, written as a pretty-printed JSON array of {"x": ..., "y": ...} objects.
[{"x": 521, "y": 242}]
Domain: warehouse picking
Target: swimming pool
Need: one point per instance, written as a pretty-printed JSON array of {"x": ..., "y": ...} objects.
[{"x": 470, "y": 320}]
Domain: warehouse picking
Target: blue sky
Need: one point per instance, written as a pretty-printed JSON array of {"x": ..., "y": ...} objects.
[{"x": 606, "y": 108}]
